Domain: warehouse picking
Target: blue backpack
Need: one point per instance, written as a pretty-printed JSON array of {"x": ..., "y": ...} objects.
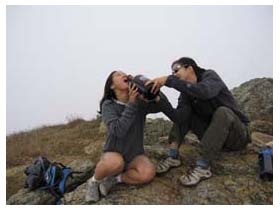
[
  {"x": 49, "y": 176},
  {"x": 55, "y": 178},
  {"x": 266, "y": 164}
]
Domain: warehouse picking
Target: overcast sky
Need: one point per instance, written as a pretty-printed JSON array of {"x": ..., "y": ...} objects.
[{"x": 58, "y": 57}]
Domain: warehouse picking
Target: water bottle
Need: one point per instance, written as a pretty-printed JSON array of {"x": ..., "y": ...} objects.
[{"x": 145, "y": 91}]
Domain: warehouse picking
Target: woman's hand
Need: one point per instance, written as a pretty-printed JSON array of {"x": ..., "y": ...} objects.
[
  {"x": 158, "y": 83},
  {"x": 132, "y": 93}
]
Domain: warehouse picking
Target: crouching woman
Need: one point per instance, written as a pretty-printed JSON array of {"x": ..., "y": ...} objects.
[{"x": 123, "y": 159}]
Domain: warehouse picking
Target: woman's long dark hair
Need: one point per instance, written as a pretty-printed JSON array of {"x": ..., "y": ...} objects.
[
  {"x": 108, "y": 92},
  {"x": 186, "y": 61}
]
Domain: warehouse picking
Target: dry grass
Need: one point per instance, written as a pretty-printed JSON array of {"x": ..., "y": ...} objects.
[
  {"x": 51, "y": 141},
  {"x": 62, "y": 143}
]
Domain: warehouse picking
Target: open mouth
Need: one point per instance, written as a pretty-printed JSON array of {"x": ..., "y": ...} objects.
[{"x": 125, "y": 79}]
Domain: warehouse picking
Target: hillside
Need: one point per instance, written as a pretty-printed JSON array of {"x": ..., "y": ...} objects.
[{"x": 79, "y": 144}]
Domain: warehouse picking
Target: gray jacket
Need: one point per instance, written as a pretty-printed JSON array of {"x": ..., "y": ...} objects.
[{"x": 125, "y": 124}]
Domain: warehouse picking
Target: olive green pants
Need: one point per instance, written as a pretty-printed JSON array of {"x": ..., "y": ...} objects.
[{"x": 225, "y": 131}]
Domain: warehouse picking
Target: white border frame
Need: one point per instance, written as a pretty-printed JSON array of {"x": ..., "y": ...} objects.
[{"x": 276, "y": 69}]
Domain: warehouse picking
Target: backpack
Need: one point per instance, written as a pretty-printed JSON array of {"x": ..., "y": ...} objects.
[
  {"x": 55, "y": 179},
  {"x": 35, "y": 173},
  {"x": 266, "y": 164},
  {"x": 48, "y": 176}
]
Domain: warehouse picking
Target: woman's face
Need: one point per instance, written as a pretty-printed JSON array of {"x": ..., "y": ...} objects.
[
  {"x": 186, "y": 74},
  {"x": 120, "y": 81}
]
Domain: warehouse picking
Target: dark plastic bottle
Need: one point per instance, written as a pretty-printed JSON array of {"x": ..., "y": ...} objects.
[{"x": 145, "y": 91}]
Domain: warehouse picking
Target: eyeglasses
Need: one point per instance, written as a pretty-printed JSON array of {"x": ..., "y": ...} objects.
[{"x": 177, "y": 67}]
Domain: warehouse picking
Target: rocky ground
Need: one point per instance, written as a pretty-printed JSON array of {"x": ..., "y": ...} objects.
[
  {"x": 235, "y": 174},
  {"x": 235, "y": 181}
]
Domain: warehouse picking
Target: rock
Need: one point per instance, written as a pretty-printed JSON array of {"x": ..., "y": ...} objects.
[
  {"x": 255, "y": 98},
  {"x": 75, "y": 197},
  {"x": 260, "y": 140},
  {"x": 269, "y": 144},
  {"x": 262, "y": 126},
  {"x": 235, "y": 181},
  {"x": 15, "y": 178},
  {"x": 24, "y": 196},
  {"x": 154, "y": 129},
  {"x": 91, "y": 149},
  {"x": 84, "y": 166},
  {"x": 155, "y": 150},
  {"x": 191, "y": 138},
  {"x": 163, "y": 140}
]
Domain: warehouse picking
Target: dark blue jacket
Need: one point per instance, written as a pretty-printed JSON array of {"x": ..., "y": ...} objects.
[{"x": 204, "y": 97}]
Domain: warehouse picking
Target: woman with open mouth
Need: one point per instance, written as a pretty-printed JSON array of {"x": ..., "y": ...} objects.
[{"x": 123, "y": 111}]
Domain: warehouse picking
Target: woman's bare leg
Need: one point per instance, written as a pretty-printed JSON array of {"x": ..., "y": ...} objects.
[
  {"x": 140, "y": 170},
  {"x": 110, "y": 164}
]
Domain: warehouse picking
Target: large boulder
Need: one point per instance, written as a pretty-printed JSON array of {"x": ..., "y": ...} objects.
[
  {"x": 260, "y": 141},
  {"x": 262, "y": 126},
  {"x": 255, "y": 99},
  {"x": 154, "y": 129},
  {"x": 24, "y": 196}
]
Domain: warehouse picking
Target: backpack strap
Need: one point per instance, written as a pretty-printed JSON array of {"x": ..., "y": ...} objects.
[
  {"x": 63, "y": 167},
  {"x": 53, "y": 185},
  {"x": 58, "y": 187},
  {"x": 67, "y": 172},
  {"x": 41, "y": 160},
  {"x": 56, "y": 195},
  {"x": 59, "y": 164}
]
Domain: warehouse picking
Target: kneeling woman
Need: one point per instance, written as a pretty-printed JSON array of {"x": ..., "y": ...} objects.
[{"x": 123, "y": 159}]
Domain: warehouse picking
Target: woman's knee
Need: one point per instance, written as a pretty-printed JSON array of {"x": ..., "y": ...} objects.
[
  {"x": 113, "y": 161},
  {"x": 147, "y": 174}
]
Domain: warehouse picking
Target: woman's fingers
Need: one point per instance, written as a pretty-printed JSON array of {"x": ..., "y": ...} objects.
[
  {"x": 148, "y": 82},
  {"x": 133, "y": 93},
  {"x": 155, "y": 87},
  {"x": 133, "y": 90},
  {"x": 132, "y": 87},
  {"x": 136, "y": 94},
  {"x": 158, "y": 87}
]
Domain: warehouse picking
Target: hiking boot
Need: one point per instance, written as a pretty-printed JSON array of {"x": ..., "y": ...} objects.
[
  {"x": 106, "y": 185},
  {"x": 165, "y": 164},
  {"x": 92, "y": 193},
  {"x": 195, "y": 176}
]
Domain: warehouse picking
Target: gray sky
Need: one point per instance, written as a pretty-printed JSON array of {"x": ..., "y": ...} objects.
[{"x": 58, "y": 57}]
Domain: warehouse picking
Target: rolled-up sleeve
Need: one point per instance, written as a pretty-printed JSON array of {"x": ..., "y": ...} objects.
[{"x": 207, "y": 88}]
